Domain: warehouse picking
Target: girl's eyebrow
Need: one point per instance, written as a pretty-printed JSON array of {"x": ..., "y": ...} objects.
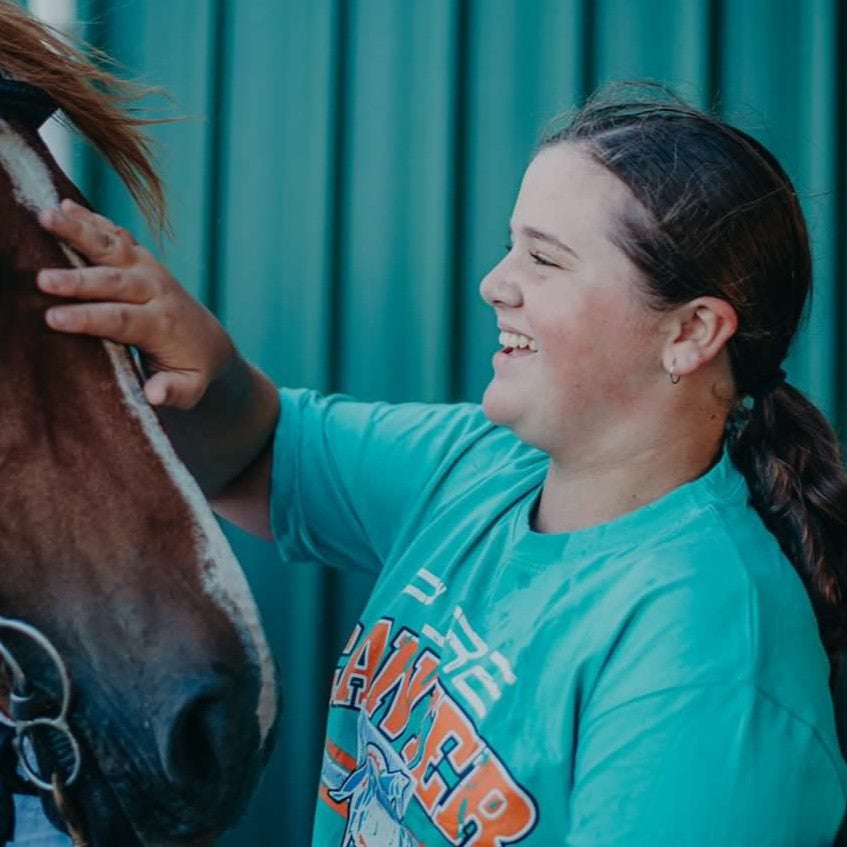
[{"x": 532, "y": 232}]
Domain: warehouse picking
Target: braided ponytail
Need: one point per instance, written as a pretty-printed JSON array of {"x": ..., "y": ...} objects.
[{"x": 790, "y": 456}]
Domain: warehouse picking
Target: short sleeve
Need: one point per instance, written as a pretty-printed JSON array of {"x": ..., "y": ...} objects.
[
  {"x": 703, "y": 765},
  {"x": 348, "y": 477}
]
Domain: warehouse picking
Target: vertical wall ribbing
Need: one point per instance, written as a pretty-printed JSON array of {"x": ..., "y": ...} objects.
[
  {"x": 337, "y": 188},
  {"x": 217, "y": 128},
  {"x": 588, "y": 68},
  {"x": 89, "y": 171},
  {"x": 714, "y": 72},
  {"x": 457, "y": 213},
  {"x": 840, "y": 224},
  {"x": 337, "y": 200}
]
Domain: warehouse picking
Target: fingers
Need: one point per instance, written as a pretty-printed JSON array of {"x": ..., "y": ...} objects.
[
  {"x": 96, "y": 237},
  {"x": 121, "y": 322},
  {"x": 180, "y": 390},
  {"x": 128, "y": 297},
  {"x": 96, "y": 283}
]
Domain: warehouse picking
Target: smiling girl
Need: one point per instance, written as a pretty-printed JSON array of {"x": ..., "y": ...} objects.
[{"x": 609, "y": 600}]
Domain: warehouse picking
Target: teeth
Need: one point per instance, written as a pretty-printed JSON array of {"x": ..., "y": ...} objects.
[{"x": 517, "y": 341}]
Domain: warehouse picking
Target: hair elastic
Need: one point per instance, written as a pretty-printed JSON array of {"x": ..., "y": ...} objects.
[{"x": 766, "y": 386}]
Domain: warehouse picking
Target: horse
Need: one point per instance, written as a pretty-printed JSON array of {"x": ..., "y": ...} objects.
[{"x": 138, "y": 695}]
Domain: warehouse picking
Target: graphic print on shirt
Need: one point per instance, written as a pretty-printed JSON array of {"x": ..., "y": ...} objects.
[
  {"x": 377, "y": 792},
  {"x": 417, "y": 741}
]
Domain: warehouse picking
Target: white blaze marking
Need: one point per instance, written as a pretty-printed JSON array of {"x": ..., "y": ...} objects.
[
  {"x": 31, "y": 183},
  {"x": 223, "y": 578}
]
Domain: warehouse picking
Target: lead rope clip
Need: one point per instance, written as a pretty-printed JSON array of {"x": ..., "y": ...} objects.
[{"x": 69, "y": 813}]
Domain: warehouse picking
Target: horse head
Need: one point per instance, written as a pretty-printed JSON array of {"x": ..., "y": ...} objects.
[{"x": 128, "y": 636}]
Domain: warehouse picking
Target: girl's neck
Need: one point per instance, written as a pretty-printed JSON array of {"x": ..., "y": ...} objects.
[{"x": 598, "y": 489}]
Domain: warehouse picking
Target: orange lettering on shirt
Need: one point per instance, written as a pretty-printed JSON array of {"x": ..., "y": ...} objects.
[
  {"x": 492, "y": 802},
  {"x": 354, "y": 679},
  {"x": 403, "y": 649},
  {"x": 409, "y": 684},
  {"x": 348, "y": 649},
  {"x": 449, "y": 724}
]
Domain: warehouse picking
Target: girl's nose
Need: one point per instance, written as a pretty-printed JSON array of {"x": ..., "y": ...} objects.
[{"x": 498, "y": 287}]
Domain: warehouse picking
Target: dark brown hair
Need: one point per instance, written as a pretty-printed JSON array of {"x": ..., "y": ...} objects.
[
  {"x": 719, "y": 217},
  {"x": 90, "y": 98}
]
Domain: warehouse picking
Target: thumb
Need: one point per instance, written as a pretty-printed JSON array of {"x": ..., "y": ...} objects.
[{"x": 179, "y": 389}]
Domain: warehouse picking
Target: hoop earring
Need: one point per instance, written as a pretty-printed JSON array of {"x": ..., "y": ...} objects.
[{"x": 675, "y": 378}]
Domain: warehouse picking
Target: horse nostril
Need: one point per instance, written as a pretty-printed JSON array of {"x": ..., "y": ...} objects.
[{"x": 201, "y": 746}]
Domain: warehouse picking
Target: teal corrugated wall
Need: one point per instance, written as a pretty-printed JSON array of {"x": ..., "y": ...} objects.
[{"x": 345, "y": 179}]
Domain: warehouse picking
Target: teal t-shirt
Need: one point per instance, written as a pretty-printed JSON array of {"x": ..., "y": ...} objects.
[{"x": 656, "y": 680}]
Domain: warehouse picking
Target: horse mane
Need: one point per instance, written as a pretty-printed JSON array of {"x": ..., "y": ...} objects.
[{"x": 90, "y": 98}]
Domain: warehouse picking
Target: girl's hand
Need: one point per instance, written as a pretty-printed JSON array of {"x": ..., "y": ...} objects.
[{"x": 132, "y": 299}]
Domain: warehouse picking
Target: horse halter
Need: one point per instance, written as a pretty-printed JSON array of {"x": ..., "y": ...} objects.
[
  {"x": 29, "y": 104},
  {"x": 24, "y": 102},
  {"x": 29, "y": 713}
]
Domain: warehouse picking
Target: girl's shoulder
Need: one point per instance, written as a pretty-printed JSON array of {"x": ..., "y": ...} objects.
[{"x": 714, "y": 604}]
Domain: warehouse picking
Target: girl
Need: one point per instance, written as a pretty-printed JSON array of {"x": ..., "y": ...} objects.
[{"x": 609, "y": 600}]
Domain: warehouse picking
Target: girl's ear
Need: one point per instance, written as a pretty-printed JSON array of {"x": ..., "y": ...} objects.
[{"x": 698, "y": 331}]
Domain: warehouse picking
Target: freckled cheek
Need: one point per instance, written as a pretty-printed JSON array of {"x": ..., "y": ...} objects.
[
  {"x": 590, "y": 351},
  {"x": 574, "y": 337},
  {"x": 570, "y": 362}
]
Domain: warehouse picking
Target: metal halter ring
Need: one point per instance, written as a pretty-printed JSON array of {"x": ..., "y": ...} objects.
[
  {"x": 22, "y": 691},
  {"x": 18, "y": 679},
  {"x": 25, "y": 749}
]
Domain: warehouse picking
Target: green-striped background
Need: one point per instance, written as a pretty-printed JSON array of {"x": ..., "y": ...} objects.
[{"x": 346, "y": 179}]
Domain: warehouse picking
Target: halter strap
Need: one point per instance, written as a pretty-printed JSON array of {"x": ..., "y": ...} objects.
[{"x": 25, "y": 103}]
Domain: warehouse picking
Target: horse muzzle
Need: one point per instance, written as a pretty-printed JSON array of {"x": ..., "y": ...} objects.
[
  {"x": 189, "y": 773},
  {"x": 178, "y": 773}
]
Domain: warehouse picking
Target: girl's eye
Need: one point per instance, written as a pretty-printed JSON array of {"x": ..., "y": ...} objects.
[
  {"x": 508, "y": 247},
  {"x": 540, "y": 260}
]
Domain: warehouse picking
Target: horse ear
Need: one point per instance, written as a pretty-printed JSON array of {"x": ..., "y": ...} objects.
[{"x": 91, "y": 98}]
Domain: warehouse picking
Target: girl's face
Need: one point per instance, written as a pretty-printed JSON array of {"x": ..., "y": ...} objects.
[{"x": 594, "y": 351}]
